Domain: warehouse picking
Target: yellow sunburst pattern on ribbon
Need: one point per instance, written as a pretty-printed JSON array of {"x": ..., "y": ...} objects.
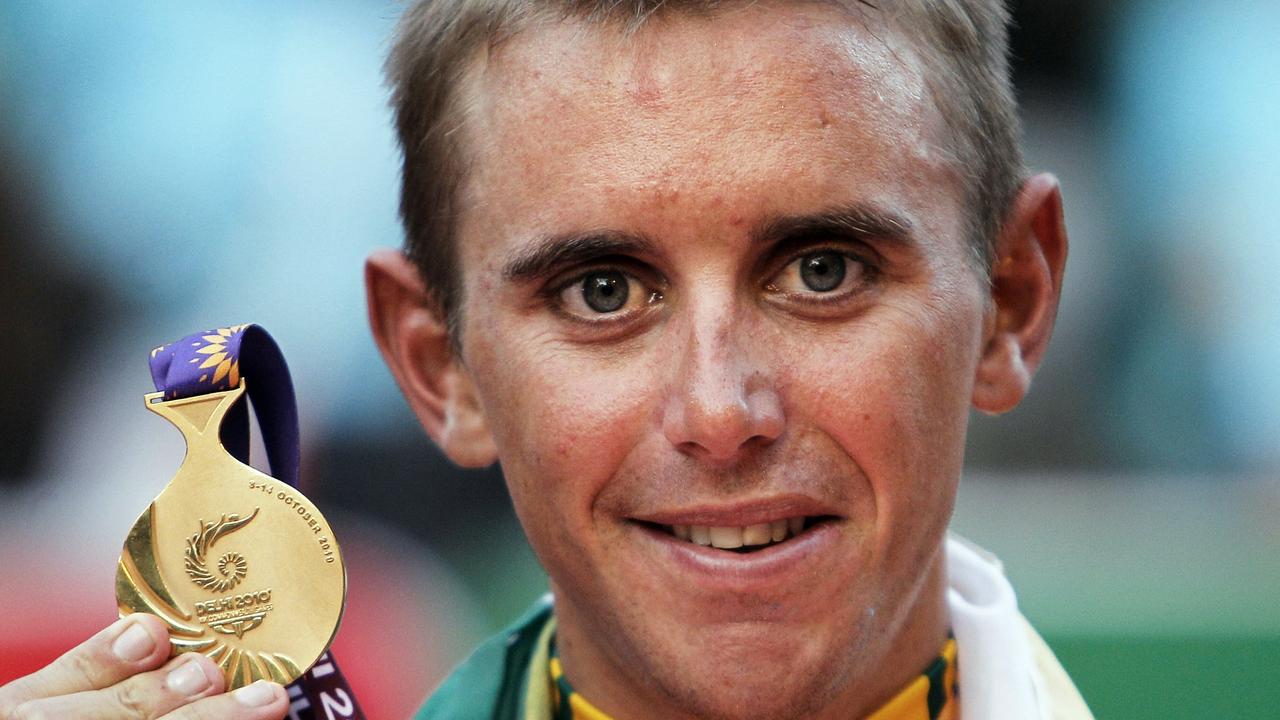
[{"x": 224, "y": 362}]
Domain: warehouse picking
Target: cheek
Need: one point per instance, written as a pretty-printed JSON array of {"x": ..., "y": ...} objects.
[
  {"x": 564, "y": 422},
  {"x": 894, "y": 396}
]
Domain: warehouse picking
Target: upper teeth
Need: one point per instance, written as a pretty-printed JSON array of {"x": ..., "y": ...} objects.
[{"x": 736, "y": 537}]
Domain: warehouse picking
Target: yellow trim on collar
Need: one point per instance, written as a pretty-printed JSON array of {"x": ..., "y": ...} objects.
[
  {"x": 913, "y": 702},
  {"x": 539, "y": 700},
  {"x": 930, "y": 696}
]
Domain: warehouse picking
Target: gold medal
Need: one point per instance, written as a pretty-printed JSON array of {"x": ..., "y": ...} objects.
[{"x": 240, "y": 565}]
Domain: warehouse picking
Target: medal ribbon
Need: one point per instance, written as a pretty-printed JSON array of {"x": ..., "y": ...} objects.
[{"x": 217, "y": 360}]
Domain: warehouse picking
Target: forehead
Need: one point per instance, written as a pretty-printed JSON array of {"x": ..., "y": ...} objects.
[{"x": 765, "y": 106}]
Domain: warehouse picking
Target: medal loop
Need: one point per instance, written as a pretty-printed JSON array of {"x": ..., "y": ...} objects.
[{"x": 217, "y": 360}]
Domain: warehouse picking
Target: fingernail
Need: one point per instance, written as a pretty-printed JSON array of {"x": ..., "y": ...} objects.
[
  {"x": 188, "y": 679},
  {"x": 133, "y": 644},
  {"x": 256, "y": 695}
]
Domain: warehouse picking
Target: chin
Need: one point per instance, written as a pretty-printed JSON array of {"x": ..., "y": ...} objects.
[
  {"x": 760, "y": 689},
  {"x": 758, "y": 671}
]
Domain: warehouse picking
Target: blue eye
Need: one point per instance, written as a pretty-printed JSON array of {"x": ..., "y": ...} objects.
[
  {"x": 821, "y": 274},
  {"x": 605, "y": 294},
  {"x": 823, "y": 271},
  {"x": 605, "y": 291}
]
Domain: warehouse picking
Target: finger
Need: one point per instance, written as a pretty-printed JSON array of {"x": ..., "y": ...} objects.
[
  {"x": 185, "y": 679},
  {"x": 128, "y": 646},
  {"x": 261, "y": 700}
]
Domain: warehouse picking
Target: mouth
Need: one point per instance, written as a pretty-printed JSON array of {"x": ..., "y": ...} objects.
[{"x": 743, "y": 539}]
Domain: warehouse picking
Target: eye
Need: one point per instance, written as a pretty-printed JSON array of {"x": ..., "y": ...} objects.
[
  {"x": 822, "y": 272},
  {"x": 604, "y": 293},
  {"x": 825, "y": 272}
]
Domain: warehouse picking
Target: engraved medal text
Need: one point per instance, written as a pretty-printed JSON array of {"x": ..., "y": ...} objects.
[{"x": 235, "y": 615}]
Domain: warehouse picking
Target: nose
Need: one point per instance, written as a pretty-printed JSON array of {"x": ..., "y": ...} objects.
[{"x": 723, "y": 401}]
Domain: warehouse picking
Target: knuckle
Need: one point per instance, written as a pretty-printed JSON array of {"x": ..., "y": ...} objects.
[
  {"x": 133, "y": 701},
  {"x": 84, "y": 666}
]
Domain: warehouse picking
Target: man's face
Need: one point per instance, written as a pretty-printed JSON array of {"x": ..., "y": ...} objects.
[{"x": 715, "y": 276}]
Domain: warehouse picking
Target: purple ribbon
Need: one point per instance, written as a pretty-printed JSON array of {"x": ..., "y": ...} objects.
[{"x": 218, "y": 360}]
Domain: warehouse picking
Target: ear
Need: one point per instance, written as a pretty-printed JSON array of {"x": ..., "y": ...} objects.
[
  {"x": 1026, "y": 284},
  {"x": 414, "y": 340}
]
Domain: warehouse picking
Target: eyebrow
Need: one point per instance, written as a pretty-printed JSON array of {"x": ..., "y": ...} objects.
[
  {"x": 553, "y": 251},
  {"x": 860, "y": 220}
]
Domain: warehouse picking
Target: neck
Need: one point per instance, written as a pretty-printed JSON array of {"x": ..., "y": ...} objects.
[{"x": 922, "y": 634}]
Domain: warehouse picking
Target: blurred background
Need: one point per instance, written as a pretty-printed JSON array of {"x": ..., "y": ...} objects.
[{"x": 170, "y": 167}]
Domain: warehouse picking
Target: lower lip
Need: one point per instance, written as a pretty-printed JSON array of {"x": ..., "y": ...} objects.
[{"x": 726, "y": 571}]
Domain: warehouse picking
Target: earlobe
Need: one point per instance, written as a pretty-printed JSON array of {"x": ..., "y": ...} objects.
[
  {"x": 1026, "y": 284},
  {"x": 414, "y": 341}
]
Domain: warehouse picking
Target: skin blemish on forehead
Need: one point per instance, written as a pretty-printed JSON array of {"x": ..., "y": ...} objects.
[{"x": 645, "y": 90}]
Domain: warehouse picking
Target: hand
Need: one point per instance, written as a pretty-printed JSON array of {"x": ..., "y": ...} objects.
[{"x": 122, "y": 673}]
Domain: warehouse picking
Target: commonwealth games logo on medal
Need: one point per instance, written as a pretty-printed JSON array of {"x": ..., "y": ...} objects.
[
  {"x": 235, "y": 615},
  {"x": 232, "y": 566}
]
